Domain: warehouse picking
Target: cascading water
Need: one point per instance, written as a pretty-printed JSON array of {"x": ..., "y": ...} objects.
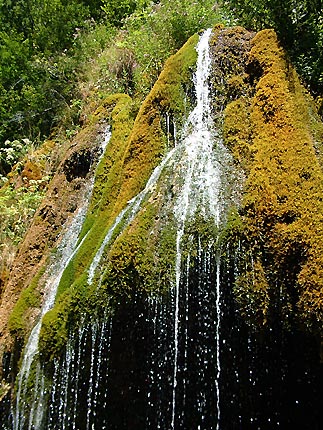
[
  {"x": 197, "y": 162},
  {"x": 201, "y": 172},
  {"x": 66, "y": 250},
  {"x": 198, "y": 159},
  {"x": 127, "y": 215}
]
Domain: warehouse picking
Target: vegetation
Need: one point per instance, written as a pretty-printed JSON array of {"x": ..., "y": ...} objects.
[
  {"x": 20, "y": 195},
  {"x": 53, "y": 54},
  {"x": 299, "y": 25},
  {"x": 29, "y": 300},
  {"x": 35, "y": 85},
  {"x": 4, "y": 389},
  {"x": 49, "y": 51},
  {"x": 134, "y": 150},
  {"x": 55, "y": 71}
]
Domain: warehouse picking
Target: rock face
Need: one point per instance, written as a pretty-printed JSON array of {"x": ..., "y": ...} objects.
[{"x": 269, "y": 240}]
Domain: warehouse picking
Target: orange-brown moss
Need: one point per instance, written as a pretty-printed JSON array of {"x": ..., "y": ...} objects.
[
  {"x": 237, "y": 131},
  {"x": 283, "y": 205}
]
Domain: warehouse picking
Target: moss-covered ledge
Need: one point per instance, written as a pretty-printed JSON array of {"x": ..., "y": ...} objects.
[{"x": 65, "y": 194}]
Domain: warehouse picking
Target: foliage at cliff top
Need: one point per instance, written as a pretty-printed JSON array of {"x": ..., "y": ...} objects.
[
  {"x": 299, "y": 25},
  {"x": 54, "y": 54}
]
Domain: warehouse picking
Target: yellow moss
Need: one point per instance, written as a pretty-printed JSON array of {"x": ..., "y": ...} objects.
[
  {"x": 237, "y": 131},
  {"x": 283, "y": 204},
  {"x": 266, "y": 51}
]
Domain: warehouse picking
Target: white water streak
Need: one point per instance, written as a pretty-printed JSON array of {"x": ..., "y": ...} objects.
[
  {"x": 200, "y": 169},
  {"x": 218, "y": 324},
  {"x": 127, "y": 215},
  {"x": 91, "y": 381},
  {"x": 67, "y": 250}
]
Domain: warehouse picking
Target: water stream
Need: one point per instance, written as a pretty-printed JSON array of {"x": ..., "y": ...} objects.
[
  {"x": 201, "y": 173},
  {"x": 198, "y": 158}
]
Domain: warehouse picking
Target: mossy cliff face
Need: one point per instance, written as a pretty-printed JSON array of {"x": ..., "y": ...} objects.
[
  {"x": 272, "y": 130},
  {"x": 72, "y": 165},
  {"x": 275, "y": 236},
  {"x": 135, "y": 149}
]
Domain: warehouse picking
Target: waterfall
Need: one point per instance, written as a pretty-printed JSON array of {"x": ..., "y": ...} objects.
[
  {"x": 79, "y": 379},
  {"x": 82, "y": 394},
  {"x": 197, "y": 157},
  {"x": 128, "y": 214},
  {"x": 180, "y": 357},
  {"x": 201, "y": 172},
  {"x": 67, "y": 249}
]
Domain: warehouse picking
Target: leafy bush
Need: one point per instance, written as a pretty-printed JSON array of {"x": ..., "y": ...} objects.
[
  {"x": 16, "y": 208},
  {"x": 117, "y": 11},
  {"x": 160, "y": 30}
]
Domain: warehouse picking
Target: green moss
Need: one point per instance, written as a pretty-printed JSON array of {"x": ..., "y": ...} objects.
[
  {"x": 54, "y": 332},
  {"x": 233, "y": 229},
  {"x": 142, "y": 258},
  {"x": 135, "y": 149},
  {"x": 130, "y": 255},
  {"x": 147, "y": 143},
  {"x": 108, "y": 180},
  {"x": 29, "y": 302}
]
